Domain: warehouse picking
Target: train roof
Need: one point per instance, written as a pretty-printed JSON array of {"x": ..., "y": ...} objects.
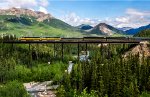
[{"x": 40, "y": 37}]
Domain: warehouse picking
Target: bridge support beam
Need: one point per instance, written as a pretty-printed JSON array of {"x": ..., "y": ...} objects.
[
  {"x": 12, "y": 46},
  {"x": 62, "y": 52},
  {"x": 54, "y": 51},
  {"x": 86, "y": 48},
  {"x": 78, "y": 51},
  {"x": 109, "y": 50},
  {"x": 30, "y": 56},
  {"x": 37, "y": 51},
  {"x": 123, "y": 46},
  {"x": 101, "y": 50}
]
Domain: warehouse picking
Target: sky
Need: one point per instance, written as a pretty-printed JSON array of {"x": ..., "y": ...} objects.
[{"x": 118, "y": 13}]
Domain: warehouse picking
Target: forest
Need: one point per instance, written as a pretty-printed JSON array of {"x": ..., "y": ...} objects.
[
  {"x": 144, "y": 33},
  {"x": 107, "y": 73}
]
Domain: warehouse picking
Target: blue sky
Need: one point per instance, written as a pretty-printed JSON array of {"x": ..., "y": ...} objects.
[
  {"x": 118, "y": 13},
  {"x": 96, "y": 9}
]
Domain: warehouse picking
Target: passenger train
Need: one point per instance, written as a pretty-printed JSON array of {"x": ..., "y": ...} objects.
[
  {"x": 74, "y": 39},
  {"x": 69, "y": 39}
]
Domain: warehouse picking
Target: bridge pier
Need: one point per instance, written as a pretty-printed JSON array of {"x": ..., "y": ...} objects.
[
  {"x": 12, "y": 46},
  {"x": 37, "y": 51},
  {"x": 101, "y": 50},
  {"x": 123, "y": 46},
  {"x": 62, "y": 52},
  {"x": 30, "y": 60},
  {"x": 86, "y": 48},
  {"x": 29, "y": 55},
  {"x": 54, "y": 51},
  {"x": 78, "y": 51},
  {"x": 108, "y": 50}
]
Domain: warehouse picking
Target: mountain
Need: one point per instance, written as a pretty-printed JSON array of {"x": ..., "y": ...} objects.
[
  {"x": 40, "y": 16},
  {"x": 107, "y": 30},
  {"x": 135, "y": 31},
  {"x": 84, "y": 27},
  {"x": 143, "y": 33},
  {"x": 125, "y": 28},
  {"x": 56, "y": 23},
  {"x": 26, "y": 22}
]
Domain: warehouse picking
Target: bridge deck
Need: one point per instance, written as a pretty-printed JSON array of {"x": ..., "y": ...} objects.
[
  {"x": 27, "y": 42},
  {"x": 82, "y": 40}
]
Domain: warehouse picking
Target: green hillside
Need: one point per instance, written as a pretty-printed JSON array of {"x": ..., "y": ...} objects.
[
  {"x": 56, "y": 23},
  {"x": 28, "y": 26},
  {"x": 144, "y": 33}
]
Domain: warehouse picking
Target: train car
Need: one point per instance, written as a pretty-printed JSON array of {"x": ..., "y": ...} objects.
[
  {"x": 71, "y": 39},
  {"x": 39, "y": 39},
  {"x": 29, "y": 39},
  {"x": 105, "y": 38},
  {"x": 50, "y": 39},
  {"x": 93, "y": 38}
]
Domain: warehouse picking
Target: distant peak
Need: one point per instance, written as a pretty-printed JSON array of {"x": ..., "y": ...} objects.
[
  {"x": 40, "y": 16},
  {"x": 101, "y": 24},
  {"x": 105, "y": 29},
  {"x": 85, "y": 26}
]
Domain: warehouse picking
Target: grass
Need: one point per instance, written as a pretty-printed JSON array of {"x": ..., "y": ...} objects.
[
  {"x": 40, "y": 31},
  {"x": 39, "y": 72},
  {"x": 20, "y": 27}
]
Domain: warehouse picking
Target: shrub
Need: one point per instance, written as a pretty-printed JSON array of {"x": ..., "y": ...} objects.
[{"x": 13, "y": 89}]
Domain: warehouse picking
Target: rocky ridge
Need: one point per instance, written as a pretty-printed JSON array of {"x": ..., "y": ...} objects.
[
  {"x": 142, "y": 50},
  {"x": 40, "y": 16}
]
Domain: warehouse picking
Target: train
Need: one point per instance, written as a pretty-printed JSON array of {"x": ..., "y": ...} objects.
[
  {"x": 70, "y": 39},
  {"x": 73, "y": 39}
]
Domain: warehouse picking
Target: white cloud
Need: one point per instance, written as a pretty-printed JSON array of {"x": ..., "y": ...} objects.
[
  {"x": 19, "y": 3},
  {"x": 30, "y": 4},
  {"x": 123, "y": 19},
  {"x": 43, "y": 3},
  {"x": 133, "y": 18},
  {"x": 42, "y": 9},
  {"x": 131, "y": 11},
  {"x": 75, "y": 20}
]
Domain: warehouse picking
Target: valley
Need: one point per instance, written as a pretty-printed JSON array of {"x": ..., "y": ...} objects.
[{"x": 42, "y": 56}]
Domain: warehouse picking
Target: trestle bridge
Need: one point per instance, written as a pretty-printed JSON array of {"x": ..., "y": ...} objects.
[{"x": 78, "y": 41}]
